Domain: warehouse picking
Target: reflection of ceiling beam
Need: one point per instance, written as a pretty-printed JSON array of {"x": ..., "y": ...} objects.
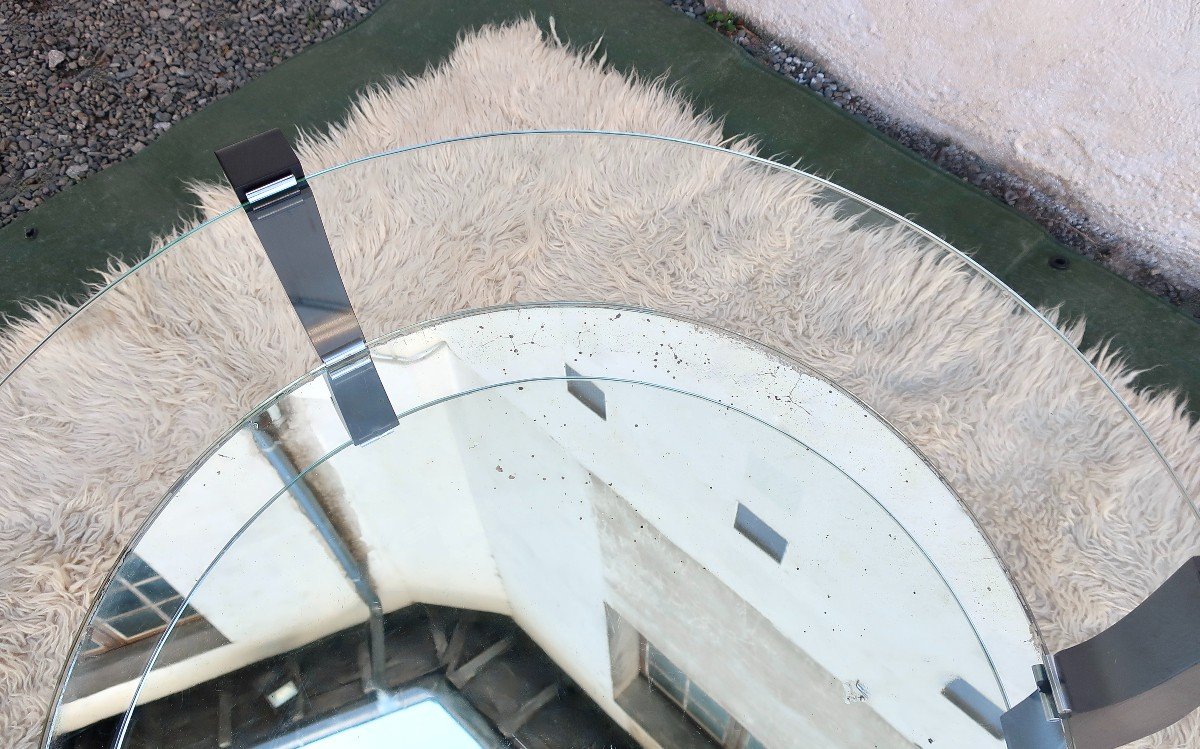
[
  {"x": 458, "y": 640},
  {"x": 510, "y": 725},
  {"x": 463, "y": 674}
]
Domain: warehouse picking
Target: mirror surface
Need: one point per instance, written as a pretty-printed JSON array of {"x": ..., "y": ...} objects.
[{"x": 668, "y": 555}]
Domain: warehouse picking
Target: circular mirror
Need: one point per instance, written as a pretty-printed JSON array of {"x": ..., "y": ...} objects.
[{"x": 704, "y": 545}]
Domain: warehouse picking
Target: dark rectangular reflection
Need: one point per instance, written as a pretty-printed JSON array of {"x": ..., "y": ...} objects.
[
  {"x": 587, "y": 393},
  {"x": 760, "y": 534}
]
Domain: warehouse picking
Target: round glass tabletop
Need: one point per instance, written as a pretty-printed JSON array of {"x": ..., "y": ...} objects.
[{"x": 743, "y": 461}]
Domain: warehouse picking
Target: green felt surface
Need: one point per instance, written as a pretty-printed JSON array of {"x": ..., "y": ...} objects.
[{"x": 117, "y": 212}]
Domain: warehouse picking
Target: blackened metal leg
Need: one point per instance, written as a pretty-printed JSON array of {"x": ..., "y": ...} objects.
[
  {"x": 1141, "y": 674},
  {"x": 1134, "y": 679}
]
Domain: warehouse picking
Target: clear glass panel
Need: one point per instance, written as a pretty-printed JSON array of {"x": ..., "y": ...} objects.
[
  {"x": 666, "y": 675},
  {"x": 998, "y": 399},
  {"x": 855, "y": 303},
  {"x": 523, "y": 547},
  {"x": 126, "y": 396},
  {"x": 190, "y": 527}
]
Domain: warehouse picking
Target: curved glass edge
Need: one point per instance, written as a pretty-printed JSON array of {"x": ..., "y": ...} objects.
[
  {"x": 832, "y": 186},
  {"x": 900, "y": 220},
  {"x": 123, "y": 727},
  {"x": 68, "y": 668},
  {"x": 162, "y": 638},
  {"x": 114, "y": 283},
  {"x": 380, "y": 341},
  {"x": 841, "y": 191}
]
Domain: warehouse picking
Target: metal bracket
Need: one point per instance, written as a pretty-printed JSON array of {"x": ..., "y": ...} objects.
[
  {"x": 1141, "y": 674},
  {"x": 1034, "y": 723},
  {"x": 1134, "y": 679},
  {"x": 266, "y": 175}
]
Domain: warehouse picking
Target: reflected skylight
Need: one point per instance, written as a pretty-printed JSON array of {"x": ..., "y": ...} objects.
[{"x": 425, "y": 724}]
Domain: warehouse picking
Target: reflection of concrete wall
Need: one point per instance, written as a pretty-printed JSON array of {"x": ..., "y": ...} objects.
[
  {"x": 540, "y": 464},
  {"x": 550, "y": 523},
  {"x": 532, "y": 499},
  {"x": 768, "y": 684},
  {"x": 1100, "y": 100},
  {"x": 275, "y": 589},
  {"x": 411, "y": 500},
  {"x": 490, "y": 502}
]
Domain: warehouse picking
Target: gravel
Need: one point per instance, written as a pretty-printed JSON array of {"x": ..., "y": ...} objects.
[
  {"x": 1073, "y": 228},
  {"x": 87, "y": 83}
]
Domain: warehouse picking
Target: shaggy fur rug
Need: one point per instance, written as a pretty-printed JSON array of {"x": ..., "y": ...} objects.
[{"x": 96, "y": 428}]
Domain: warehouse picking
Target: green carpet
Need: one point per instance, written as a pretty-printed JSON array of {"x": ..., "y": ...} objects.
[{"x": 117, "y": 212}]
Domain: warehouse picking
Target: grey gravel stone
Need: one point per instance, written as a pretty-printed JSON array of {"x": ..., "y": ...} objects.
[{"x": 87, "y": 83}]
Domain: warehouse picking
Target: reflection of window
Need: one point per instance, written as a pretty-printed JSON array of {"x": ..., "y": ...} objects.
[
  {"x": 426, "y": 723},
  {"x": 667, "y": 678},
  {"x": 139, "y": 603}
]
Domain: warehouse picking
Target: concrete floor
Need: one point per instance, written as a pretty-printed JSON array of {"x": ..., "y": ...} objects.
[{"x": 117, "y": 212}]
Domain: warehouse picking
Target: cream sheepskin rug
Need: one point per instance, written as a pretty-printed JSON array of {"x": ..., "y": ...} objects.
[{"x": 95, "y": 430}]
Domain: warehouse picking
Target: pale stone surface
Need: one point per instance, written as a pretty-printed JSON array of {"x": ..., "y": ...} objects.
[{"x": 1099, "y": 102}]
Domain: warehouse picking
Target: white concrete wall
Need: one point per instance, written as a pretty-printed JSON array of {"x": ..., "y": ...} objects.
[{"x": 1098, "y": 100}]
